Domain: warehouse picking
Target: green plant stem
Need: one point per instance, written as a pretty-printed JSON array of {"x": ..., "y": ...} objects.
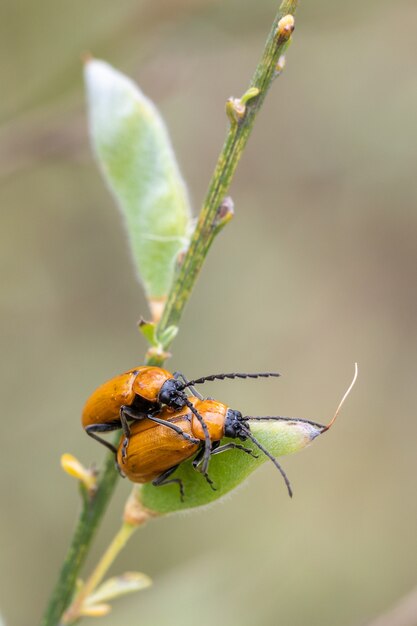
[
  {"x": 117, "y": 544},
  {"x": 92, "y": 511},
  {"x": 227, "y": 162},
  {"x": 206, "y": 229}
]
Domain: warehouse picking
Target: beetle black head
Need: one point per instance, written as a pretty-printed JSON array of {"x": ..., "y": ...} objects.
[
  {"x": 234, "y": 427},
  {"x": 172, "y": 395},
  {"x": 237, "y": 427}
]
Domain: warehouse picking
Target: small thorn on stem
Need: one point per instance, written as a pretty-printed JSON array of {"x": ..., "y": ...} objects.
[
  {"x": 180, "y": 258},
  {"x": 235, "y": 110},
  {"x": 236, "y": 107},
  {"x": 224, "y": 214},
  {"x": 280, "y": 65},
  {"x": 347, "y": 392}
]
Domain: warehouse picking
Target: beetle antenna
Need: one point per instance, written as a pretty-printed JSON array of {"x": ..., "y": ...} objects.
[
  {"x": 260, "y": 418},
  {"x": 233, "y": 375},
  {"x": 347, "y": 392},
  {"x": 207, "y": 440},
  {"x": 269, "y": 455}
]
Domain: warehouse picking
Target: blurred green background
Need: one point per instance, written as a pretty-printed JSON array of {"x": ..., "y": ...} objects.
[{"x": 316, "y": 271}]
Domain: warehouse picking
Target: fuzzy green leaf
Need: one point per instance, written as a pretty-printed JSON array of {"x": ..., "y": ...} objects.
[
  {"x": 230, "y": 468},
  {"x": 135, "y": 155}
]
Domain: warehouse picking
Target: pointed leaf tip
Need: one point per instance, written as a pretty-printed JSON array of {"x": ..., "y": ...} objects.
[{"x": 342, "y": 401}]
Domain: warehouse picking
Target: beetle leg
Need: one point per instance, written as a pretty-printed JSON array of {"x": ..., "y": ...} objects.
[
  {"x": 134, "y": 414},
  {"x": 210, "y": 482},
  {"x": 234, "y": 446},
  {"x": 138, "y": 416},
  {"x": 199, "y": 456},
  {"x": 207, "y": 439},
  {"x": 197, "y": 462},
  {"x": 175, "y": 428},
  {"x": 126, "y": 430},
  {"x": 119, "y": 469},
  {"x": 123, "y": 421},
  {"x": 91, "y": 430},
  {"x": 161, "y": 480}
]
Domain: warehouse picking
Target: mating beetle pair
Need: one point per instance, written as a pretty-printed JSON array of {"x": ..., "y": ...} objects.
[{"x": 163, "y": 426}]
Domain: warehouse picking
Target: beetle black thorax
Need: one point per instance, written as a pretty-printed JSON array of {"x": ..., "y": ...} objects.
[
  {"x": 233, "y": 426},
  {"x": 140, "y": 405},
  {"x": 171, "y": 394}
]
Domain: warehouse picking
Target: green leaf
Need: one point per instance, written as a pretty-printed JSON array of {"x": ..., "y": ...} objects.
[
  {"x": 135, "y": 155},
  {"x": 230, "y": 468},
  {"x": 148, "y": 330}
]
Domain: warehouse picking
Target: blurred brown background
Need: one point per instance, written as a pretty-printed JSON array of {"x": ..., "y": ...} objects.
[{"x": 316, "y": 271}]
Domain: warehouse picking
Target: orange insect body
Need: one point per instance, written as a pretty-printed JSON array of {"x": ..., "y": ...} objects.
[
  {"x": 140, "y": 384},
  {"x": 214, "y": 414},
  {"x": 158, "y": 444},
  {"x": 139, "y": 396},
  {"x": 154, "y": 449}
]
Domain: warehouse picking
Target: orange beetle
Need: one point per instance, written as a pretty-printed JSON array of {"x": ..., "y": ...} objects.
[
  {"x": 137, "y": 389},
  {"x": 141, "y": 392},
  {"x": 134, "y": 395},
  {"x": 156, "y": 451}
]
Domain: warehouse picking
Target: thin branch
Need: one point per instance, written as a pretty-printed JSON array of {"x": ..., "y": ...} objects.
[
  {"x": 90, "y": 517},
  {"x": 236, "y": 139},
  {"x": 118, "y": 543},
  {"x": 215, "y": 213}
]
